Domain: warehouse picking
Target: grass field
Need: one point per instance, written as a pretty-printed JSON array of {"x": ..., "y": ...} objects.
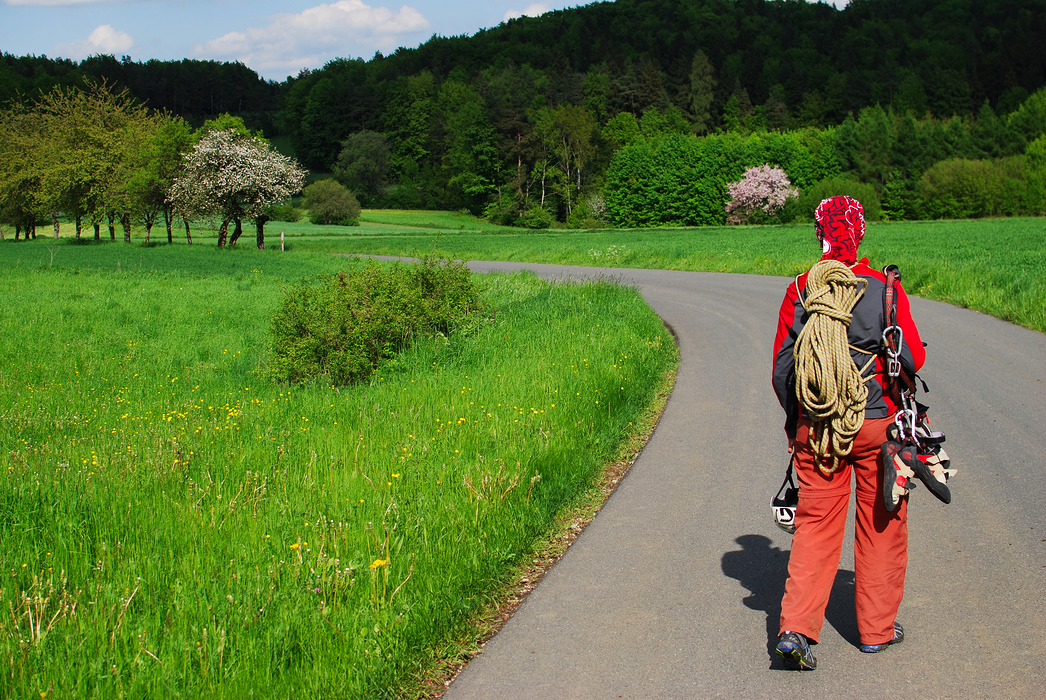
[
  {"x": 995, "y": 266},
  {"x": 176, "y": 526}
]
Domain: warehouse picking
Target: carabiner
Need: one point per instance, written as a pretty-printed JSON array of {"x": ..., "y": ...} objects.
[{"x": 893, "y": 356}]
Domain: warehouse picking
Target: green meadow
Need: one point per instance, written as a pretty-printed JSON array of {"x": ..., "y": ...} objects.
[
  {"x": 995, "y": 266},
  {"x": 177, "y": 525}
]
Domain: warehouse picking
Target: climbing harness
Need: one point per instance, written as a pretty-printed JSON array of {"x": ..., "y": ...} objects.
[
  {"x": 912, "y": 449},
  {"x": 829, "y": 385}
]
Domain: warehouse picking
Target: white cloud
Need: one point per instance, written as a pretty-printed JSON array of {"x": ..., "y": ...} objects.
[
  {"x": 311, "y": 38},
  {"x": 104, "y": 39},
  {"x": 533, "y": 10}
]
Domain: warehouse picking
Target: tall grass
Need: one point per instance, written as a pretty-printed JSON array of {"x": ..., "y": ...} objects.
[{"x": 175, "y": 526}]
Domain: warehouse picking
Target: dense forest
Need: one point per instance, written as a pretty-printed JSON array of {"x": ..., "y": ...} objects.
[
  {"x": 194, "y": 90},
  {"x": 934, "y": 108}
]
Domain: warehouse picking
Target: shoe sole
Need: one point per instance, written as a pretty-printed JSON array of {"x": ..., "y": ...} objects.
[{"x": 876, "y": 648}]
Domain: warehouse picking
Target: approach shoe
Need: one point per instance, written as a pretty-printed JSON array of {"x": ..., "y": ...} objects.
[
  {"x": 898, "y": 637},
  {"x": 794, "y": 650}
]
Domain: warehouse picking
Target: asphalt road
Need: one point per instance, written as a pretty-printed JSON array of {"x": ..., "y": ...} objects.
[{"x": 674, "y": 590}]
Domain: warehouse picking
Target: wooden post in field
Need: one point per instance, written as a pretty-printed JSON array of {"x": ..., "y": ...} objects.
[{"x": 281, "y": 241}]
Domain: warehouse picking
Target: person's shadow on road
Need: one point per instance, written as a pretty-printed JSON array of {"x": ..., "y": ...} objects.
[{"x": 762, "y": 570}]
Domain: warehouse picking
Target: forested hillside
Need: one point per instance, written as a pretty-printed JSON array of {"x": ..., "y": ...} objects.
[
  {"x": 194, "y": 90},
  {"x": 583, "y": 115}
]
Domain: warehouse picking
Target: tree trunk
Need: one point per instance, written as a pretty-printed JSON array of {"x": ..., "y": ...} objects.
[
  {"x": 112, "y": 226},
  {"x": 519, "y": 161},
  {"x": 168, "y": 218},
  {"x": 18, "y": 232},
  {"x": 188, "y": 233},
  {"x": 32, "y": 227},
  {"x": 148, "y": 230},
  {"x": 223, "y": 233},
  {"x": 544, "y": 169},
  {"x": 125, "y": 221},
  {"x": 259, "y": 227},
  {"x": 54, "y": 221},
  {"x": 79, "y": 225},
  {"x": 97, "y": 231},
  {"x": 236, "y": 232}
]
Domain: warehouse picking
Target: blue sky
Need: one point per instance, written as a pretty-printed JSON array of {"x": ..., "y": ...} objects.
[{"x": 275, "y": 38}]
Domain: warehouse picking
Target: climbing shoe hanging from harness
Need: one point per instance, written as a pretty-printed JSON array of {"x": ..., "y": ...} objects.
[
  {"x": 897, "y": 472},
  {"x": 912, "y": 449}
]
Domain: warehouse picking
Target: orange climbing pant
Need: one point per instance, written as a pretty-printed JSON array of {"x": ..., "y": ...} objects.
[{"x": 880, "y": 540}]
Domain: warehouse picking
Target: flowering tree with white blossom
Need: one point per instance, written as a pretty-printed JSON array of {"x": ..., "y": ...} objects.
[
  {"x": 763, "y": 188},
  {"x": 235, "y": 176}
]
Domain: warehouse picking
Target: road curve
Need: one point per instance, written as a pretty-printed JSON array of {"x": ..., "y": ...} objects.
[{"x": 674, "y": 590}]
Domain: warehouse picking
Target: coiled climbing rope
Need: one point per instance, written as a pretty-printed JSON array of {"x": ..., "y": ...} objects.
[{"x": 828, "y": 383}]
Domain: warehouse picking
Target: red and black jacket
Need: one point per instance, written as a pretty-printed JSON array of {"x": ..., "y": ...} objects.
[{"x": 865, "y": 332}]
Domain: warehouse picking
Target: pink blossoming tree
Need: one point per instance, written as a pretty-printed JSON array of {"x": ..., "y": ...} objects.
[{"x": 763, "y": 189}]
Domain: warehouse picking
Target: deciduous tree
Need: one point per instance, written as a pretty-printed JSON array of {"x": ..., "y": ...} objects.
[
  {"x": 764, "y": 188},
  {"x": 235, "y": 177}
]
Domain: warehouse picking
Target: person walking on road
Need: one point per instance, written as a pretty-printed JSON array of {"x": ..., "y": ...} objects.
[{"x": 829, "y": 376}]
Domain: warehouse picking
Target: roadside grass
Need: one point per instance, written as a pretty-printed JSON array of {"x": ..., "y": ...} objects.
[{"x": 176, "y": 526}]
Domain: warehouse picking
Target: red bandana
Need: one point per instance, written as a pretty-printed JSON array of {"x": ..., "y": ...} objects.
[{"x": 839, "y": 222}]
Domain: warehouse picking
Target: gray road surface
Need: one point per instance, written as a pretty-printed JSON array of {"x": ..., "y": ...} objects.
[{"x": 674, "y": 590}]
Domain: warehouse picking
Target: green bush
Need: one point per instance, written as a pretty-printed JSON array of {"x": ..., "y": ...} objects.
[
  {"x": 582, "y": 217},
  {"x": 341, "y": 327},
  {"x": 535, "y": 217},
  {"x": 502, "y": 212},
  {"x": 802, "y": 208},
  {"x": 329, "y": 202},
  {"x": 283, "y": 212},
  {"x": 962, "y": 189}
]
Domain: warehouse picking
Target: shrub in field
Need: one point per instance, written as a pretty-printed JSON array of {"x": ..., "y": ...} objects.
[
  {"x": 342, "y": 326},
  {"x": 536, "y": 217},
  {"x": 283, "y": 212},
  {"x": 959, "y": 188},
  {"x": 803, "y": 207},
  {"x": 329, "y": 202},
  {"x": 763, "y": 189}
]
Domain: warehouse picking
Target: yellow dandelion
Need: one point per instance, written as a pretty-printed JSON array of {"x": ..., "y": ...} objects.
[
  {"x": 378, "y": 563},
  {"x": 296, "y": 545}
]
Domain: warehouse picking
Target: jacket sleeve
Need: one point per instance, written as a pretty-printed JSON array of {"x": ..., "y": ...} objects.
[{"x": 791, "y": 319}]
